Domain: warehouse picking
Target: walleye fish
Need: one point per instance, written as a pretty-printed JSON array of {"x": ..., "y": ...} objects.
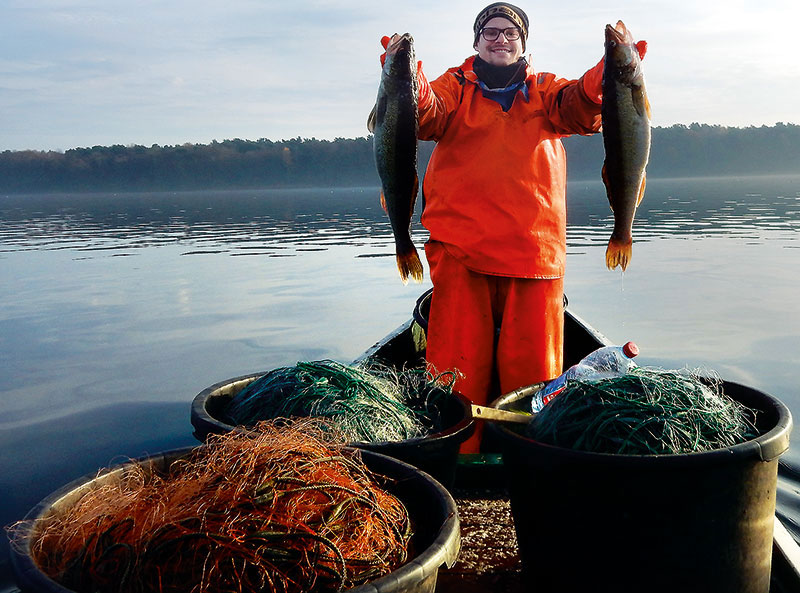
[
  {"x": 394, "y": 123},
  {"x": 626, "y": 137}
]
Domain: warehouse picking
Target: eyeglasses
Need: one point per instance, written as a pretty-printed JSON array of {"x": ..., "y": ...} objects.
[{"x": 490, "y": 33}]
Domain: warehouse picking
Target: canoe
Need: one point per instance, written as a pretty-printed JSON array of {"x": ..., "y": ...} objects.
[{"x": 489, "y": 560}]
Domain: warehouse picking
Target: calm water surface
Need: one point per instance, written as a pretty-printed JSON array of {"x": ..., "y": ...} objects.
[{"x": 115, "y": 310}]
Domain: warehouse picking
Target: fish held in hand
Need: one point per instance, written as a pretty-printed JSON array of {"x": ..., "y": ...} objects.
[
  {"x": 394, "y": 122},
  {"x": 626, "y": 137}
]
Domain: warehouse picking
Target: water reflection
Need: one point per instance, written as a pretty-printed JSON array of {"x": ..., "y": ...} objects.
[
  {"x": 238, "y": 222},
  {"x": 697, "y": 208},
  {"x": 284, "y": 222}
]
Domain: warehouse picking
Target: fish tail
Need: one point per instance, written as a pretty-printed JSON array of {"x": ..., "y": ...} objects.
[
  {"x": 409, "y": 264},
  {"x": 618, "y": 253}
]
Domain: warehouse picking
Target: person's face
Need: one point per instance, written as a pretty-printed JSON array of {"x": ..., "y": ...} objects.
[{"x": 501, "y": 51}]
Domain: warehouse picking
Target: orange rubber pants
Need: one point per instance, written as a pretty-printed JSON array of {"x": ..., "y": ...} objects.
[{"x": 468, "y": 307}]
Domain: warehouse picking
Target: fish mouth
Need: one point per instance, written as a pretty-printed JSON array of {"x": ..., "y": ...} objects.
[
  {"x": 618, "y": 33},
  {"x": 402, "y": 46},
  {"x": 403, "y": 49}
]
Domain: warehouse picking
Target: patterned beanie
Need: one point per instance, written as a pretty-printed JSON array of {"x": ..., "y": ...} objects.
[{"x": 508, "y": 11}]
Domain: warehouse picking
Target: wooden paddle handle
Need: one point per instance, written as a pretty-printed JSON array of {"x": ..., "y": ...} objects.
[{"x": 496, "y": 415}]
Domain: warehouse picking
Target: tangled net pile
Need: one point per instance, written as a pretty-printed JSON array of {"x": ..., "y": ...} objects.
[
  {"x": 368, "y": 403},
  {"x": 645, "y": 412},
  {"x": 280, "y": 511}
]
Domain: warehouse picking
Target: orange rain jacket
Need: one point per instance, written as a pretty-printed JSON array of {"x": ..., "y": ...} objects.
[{"x": 495, "y": 187}]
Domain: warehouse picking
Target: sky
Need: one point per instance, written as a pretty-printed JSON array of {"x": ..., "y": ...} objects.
[{"x": 82, "y": 73}]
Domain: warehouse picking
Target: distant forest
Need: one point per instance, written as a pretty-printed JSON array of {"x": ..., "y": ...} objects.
[{"x": 697, "y": 150}]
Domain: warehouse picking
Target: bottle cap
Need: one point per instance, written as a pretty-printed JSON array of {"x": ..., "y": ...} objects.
[{"x": 630, "y": 349}]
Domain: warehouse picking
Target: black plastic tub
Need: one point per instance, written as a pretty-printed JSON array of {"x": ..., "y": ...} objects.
[
  {"x": 432, "y": 509},
  {"x": 694, "y": 522},
  {"x": 436, "y": 454}
]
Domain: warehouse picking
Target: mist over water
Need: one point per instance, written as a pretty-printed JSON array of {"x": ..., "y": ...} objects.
[{"x": 117, "y": 309}]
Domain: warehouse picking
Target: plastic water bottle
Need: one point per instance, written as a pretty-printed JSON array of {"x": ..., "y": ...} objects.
[{"x": 603, "y": 363}]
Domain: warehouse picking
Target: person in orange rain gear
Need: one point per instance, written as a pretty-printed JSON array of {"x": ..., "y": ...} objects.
[{"x": 495, "y": 204}]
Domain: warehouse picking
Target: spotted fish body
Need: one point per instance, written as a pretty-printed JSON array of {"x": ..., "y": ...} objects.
[
  {"x": 394, "y": 123},
  {"x": 626, "y": 138}
]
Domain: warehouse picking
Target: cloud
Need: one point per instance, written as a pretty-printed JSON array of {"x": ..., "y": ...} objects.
[{"x": 106, "y": 71}]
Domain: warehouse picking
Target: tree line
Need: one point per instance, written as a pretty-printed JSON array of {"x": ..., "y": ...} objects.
[{"x": 677, "y": 151}]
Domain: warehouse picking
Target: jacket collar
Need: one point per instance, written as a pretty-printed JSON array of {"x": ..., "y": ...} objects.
[{"x": 469, "y": 72}]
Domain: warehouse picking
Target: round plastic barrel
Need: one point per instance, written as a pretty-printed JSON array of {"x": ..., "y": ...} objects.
[
  {"x": 432, "y": 509},
  {"x": 694, "y": 522},
  {"x": 436, "y": 454}
]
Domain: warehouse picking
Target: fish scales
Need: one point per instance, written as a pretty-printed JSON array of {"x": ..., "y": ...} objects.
[
  {"x": 394, "y": 121},
  {"x": 626, "y": 137}
]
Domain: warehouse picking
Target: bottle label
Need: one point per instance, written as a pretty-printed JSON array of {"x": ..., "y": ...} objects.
[{"x": 549, "y": 396}]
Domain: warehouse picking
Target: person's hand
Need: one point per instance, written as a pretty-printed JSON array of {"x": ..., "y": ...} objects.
[
  {"x": 385, "y": 43},
  {"x": 423, "y": 87}
]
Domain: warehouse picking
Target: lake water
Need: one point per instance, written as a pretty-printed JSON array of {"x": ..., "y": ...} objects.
[{"x": 116, "y": 310}]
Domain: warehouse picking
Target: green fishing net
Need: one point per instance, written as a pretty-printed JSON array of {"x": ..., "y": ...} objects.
[
  {"x": 647, "y": 411},
  {"x": 366, "y": 402}
]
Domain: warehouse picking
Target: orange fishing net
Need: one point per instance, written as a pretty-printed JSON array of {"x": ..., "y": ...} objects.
[{"x": 280, "y": 510}]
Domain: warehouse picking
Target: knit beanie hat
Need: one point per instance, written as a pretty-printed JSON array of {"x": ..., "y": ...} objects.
[{"x": 508, "y": 11}]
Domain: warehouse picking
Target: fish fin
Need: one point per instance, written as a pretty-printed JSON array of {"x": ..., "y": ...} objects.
[
  {"x": 618, "y": 253},
  {"x": 641, "y": 101},
  {"x": 409, "y": 264},
  {"x": 383, "y": 202},
  {"x": 604, "y": 175},
  {"x": 641, "y": 190},
  {"x": 414, "y": 193},
  {"x": 372, "y": 119}
]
